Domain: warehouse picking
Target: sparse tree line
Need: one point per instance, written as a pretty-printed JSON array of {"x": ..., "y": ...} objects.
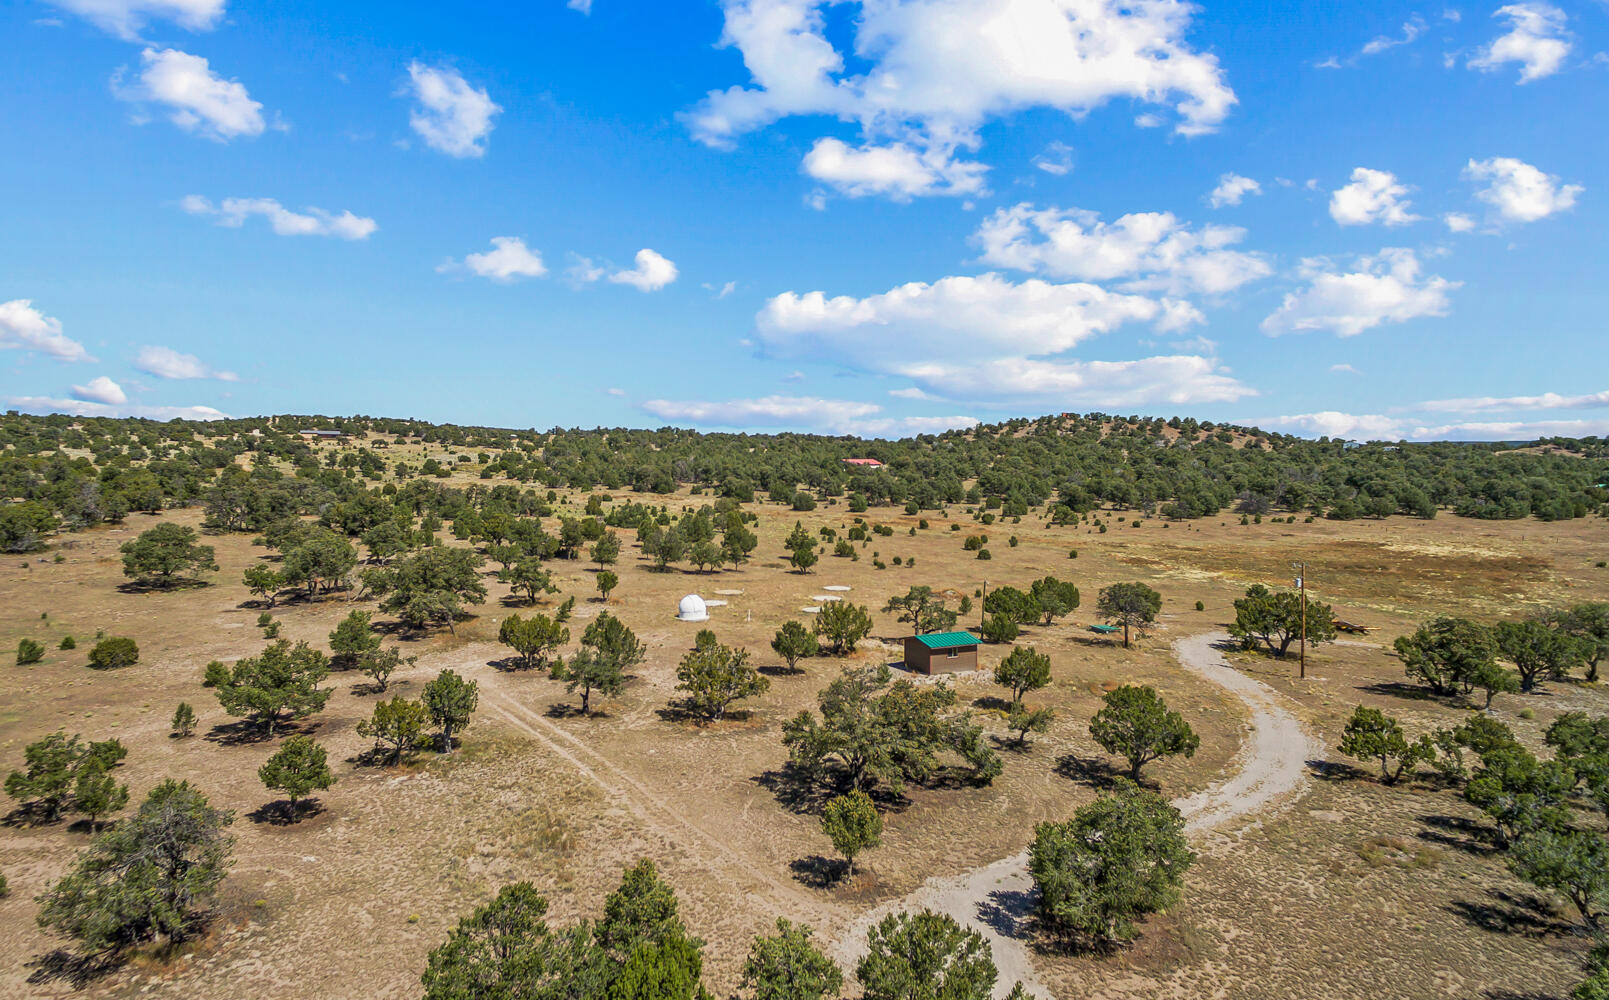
[
  {"x": 1179, "y": 468},
  {"x": 1455, "y": 656}
]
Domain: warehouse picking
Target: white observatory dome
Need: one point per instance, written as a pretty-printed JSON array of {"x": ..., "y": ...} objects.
[{"x": 692, "y": 609}]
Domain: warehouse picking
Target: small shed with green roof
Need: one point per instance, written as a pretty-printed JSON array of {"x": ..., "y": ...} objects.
[{"x": 941, "y": 652}]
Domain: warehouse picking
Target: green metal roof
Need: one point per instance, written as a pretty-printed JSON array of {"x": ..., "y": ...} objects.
[{"x": 946, "y": 640}]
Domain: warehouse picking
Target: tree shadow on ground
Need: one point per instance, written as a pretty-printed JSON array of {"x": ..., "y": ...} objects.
[
  {"x": 77, "y": 971},
  {"x": 1334, "y": 770},
  {"x": 1503, "y": 912},
  {"x": 245, "y": 732},
  {"x": 817, "y": 872},
  {"x": 516, "y": 665},
  {"x": 1410, "y": 692},
  {"x": 991, "y": 703},
  {"x": 1010, "y": 912},
  {"x": 1460, "y": 834},
  {"x": 28, "y": 814},
  {"x": 781, "y": 670},
  {"x": 681, "y": 712},
  {"x": 1010, "y": 743},
  {"x": 567, "y": 711},
  {"x": 1516, "y": 995},
  {"x": 801, "y": 792},
  {"x": 161, "y": 587},
  {"x": 1095, "y": 772},
  {"x": 280, "y": 813}
]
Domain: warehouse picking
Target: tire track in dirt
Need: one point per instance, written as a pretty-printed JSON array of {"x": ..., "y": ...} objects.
[
  {"x": 653, "y": 810},
  {"x": 997, "y": 899}
]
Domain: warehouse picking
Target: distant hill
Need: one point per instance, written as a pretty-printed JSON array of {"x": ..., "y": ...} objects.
[{"x": 75, "y": 471}]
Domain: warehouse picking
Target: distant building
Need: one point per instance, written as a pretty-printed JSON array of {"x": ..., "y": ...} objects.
[
  {"x": 322, "y": 435},
  {"x": 941, "y": 652},
  {"x": 864, "y": 463}
]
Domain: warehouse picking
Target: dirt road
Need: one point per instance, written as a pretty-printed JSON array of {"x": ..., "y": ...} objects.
[{"x": 997, "y": 898}]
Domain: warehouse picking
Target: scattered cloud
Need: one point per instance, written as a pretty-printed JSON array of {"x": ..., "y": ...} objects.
[
  {"x": 653, "y": 272},
  {"x": 452, "y": 116},
  {"x": 1546, "y": 401},
  {"x": 582, "y": 270},
  {"x": 615, "y": 391},
  {"x": 1147, "y": 251},
  {"x": 310, "y": 222},
  {"x": 1385, "y": 288},
  {"x": 165, "y": 362},
  {"x": 835, "y": 416},
  {"x": 1458, "y": 222},
  {"x": 1519, "y": 192},
  {"x": 198, "y": 99},
  {"x": 928, "y": 77},
  {"x": 1518, "y": 430},
  {"x": 1335, "y": 424},
  {"x": 1373, "y": 196},
  {"x": 895, "y": 170},
  {"x": 1536, "y": 39},
  {"x": 508, "y": 260},
  {"x": 1411, "y": 30},
  {"x": 1175, "y": 380},
  {"x": 125, "y": 18},
  {"x": 722, "y": 291},
  {"x": 1056, "y": 159},
  {"x": 584, "y": 6},
  {"x": 1232, "y": 189},
  {"x": 953, "y": 319},
  {"x": 22, "y": 327},
  {"x": 88, "y": 408},
  {"x": 1345, "y": 369},
  {"x": 100, "y": 390}
]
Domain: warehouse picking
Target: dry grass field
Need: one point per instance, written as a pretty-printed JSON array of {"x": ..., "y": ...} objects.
[{"x": 1349, "y": 890}]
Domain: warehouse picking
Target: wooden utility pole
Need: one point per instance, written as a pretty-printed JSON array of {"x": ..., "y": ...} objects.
[
  {"x": 1301, "y": 583},
  {"x": 981, "y": 602}
]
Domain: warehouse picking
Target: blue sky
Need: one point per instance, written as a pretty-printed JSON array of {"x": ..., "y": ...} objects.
[{"x": 1363, "y": 220}]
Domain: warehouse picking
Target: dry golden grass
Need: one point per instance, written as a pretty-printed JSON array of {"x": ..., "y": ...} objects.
[{"x": 348, "y": 902}]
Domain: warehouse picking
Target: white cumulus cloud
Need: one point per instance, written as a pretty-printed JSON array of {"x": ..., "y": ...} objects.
[
  {"x": 1545, "y": 401},
  {"x": 834, "y": 416},
  {"x": 895, "y": 170},
  {"x": 1174, "y": 380},
  {"x": 165, "y": 362},
  {"x": 125, "y": 18},
  {"x": 452, "y": 115},
  {"x": 89, "y": 408},
  {"x": 1385, "y": 288},
  {"x": 1519, "y": 192},
  {"x": 1536, "y": 39},
  {"x": 653, "y": 272},
  {"x": 1148, "y": 251},
  {"x": 100, "y": 390},
  {"x": 952, "y": 319},
  {"x": 1373, "y": 196},
  {"x": 1336, "y": 424},
  {"x": 584, "y": 6},
  {"x": 928, "y": 74},
  {"x": 1458, "y": 222},
  {"x": 26, "y": 328},
  {"x": 508, "y": 260},
  {"x": 1232, "y": 189},
  {"x": 310, "y": 222},
  {"x": 198, "y": 100}
]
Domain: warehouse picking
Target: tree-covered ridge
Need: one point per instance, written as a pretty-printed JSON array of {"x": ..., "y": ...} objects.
[{"x": 68, "y": 472}]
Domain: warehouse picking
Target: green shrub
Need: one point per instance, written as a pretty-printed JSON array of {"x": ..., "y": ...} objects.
[
  {"x": 984, "y": 554},
  {"x": 28, "y": 652},
  {"x": 1072, "y": 553},
  {"x": 114, "y": 652},
  {"x": 1200, "y": 606},
  {"x": 67, "y": 642}
]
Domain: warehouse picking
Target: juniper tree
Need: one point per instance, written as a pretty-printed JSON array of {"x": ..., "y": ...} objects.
[
  {"x": 1136, "y": 724},
  {"x": 451, "y": 701},
  {"x": 398, "y": 724},
  {"x": 300, "y": 766},
  {"x": 715, "y": 676},
  {"x": 853, "y": 824},
  {"x": 281, "y": 681}
]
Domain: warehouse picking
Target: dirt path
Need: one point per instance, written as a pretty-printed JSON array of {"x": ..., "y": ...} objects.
[
  {"x": 655, "y": 810},
  {"x": 997, "y": 899}
]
